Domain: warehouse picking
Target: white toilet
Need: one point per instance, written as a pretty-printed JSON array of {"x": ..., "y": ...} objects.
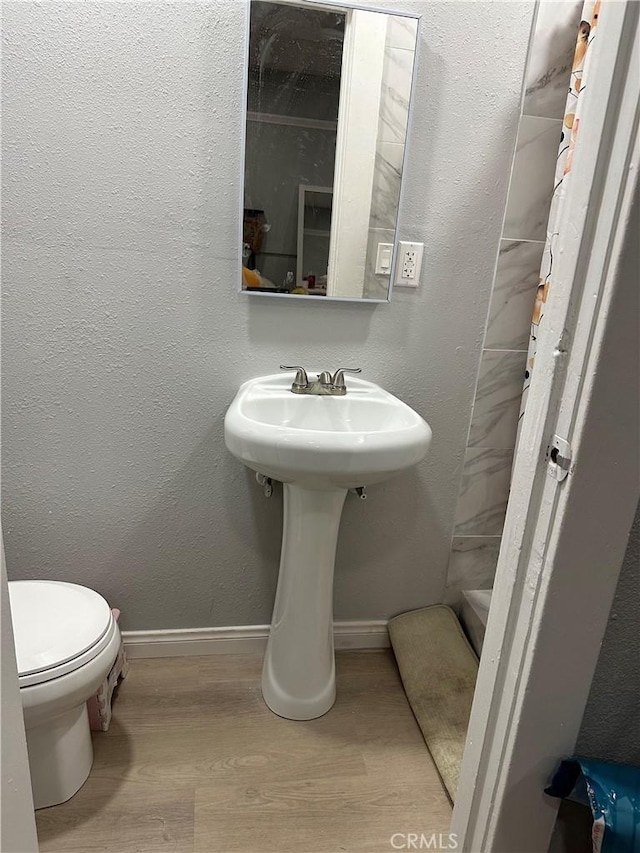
[{"x": 67, "y": 640}]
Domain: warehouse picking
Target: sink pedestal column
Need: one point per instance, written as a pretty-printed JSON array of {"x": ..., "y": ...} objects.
[{"x": 298, "y": 676}]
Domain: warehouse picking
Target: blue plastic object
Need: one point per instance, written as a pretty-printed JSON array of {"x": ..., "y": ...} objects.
[{"x": 612, "y": 792}]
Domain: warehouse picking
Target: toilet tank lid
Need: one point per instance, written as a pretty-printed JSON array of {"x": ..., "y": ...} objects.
[{"x": 54, "y": 622}]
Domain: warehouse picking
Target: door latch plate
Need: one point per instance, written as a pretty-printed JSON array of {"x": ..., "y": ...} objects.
[{"x": 559, "y": 458}]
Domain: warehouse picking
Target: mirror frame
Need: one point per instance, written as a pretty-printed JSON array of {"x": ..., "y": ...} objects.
[{"x": 330, "y": 5}]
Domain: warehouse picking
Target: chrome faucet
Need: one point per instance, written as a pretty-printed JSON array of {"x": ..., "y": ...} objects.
[{"x": 324, "y": 384}]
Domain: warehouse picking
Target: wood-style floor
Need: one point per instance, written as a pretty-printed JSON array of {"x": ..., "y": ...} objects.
[{"x": 194, "y": 761}]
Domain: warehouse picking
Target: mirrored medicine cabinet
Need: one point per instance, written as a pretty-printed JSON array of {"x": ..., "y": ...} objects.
[{"x": 328, "y": 101}]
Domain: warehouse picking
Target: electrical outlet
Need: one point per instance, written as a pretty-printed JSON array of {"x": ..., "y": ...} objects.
[{"x": 408, "y": 264}]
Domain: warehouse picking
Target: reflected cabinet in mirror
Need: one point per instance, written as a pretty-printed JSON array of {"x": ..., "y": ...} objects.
[{"x": 328, "y": 94}]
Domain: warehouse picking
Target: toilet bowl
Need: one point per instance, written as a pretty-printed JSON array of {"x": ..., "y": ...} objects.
[{"x": 66, "y": 642}]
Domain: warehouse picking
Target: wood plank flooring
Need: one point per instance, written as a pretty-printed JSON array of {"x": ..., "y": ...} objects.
[{"x": 194, "y": 762}]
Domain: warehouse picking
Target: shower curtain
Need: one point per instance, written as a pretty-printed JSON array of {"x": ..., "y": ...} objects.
[{"x": 570, "y": 132}]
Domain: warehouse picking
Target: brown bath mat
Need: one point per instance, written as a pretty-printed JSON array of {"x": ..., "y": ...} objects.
[{"x": 438, "y": 669}]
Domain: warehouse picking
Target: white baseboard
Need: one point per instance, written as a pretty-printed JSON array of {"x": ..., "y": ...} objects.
[{"x": 241, "y": 639}]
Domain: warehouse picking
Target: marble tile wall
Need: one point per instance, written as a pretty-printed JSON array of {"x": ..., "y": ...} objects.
[
  {"x": 392, "y": 131},
  {"x": 484, "y": 488},
  {"x": 472, "y": 563},
  {"x": 516, "y": 278},
  {"x": 532, "y": 176},
  {"x": 550, "y": 58},
  {"x": 497, "y": 403}
]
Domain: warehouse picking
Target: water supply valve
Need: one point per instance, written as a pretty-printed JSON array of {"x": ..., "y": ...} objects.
[
  {"x": 360, "y": 491},
  {"x": 266, "y": 483}
]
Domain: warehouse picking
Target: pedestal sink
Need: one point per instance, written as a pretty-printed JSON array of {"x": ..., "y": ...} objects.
[{"x": 319, "y": 447}]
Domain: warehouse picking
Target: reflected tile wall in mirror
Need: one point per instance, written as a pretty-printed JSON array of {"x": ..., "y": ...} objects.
[{"x": 323, "y": 159}]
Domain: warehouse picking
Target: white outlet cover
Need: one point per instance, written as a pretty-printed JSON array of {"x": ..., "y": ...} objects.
[{"x": 408, "y": 254}]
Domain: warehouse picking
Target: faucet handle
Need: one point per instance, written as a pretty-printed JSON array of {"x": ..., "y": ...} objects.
[
  {"x": 301, "y": 382},
  {"x": 338, "y": 376}
]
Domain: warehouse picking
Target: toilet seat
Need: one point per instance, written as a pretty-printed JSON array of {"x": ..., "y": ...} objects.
[{"x": 58, "y": 628}]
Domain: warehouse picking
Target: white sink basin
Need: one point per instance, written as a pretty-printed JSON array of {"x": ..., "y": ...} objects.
[
  {"x": 319, "y": 447},
  {"x": 322, "y": 441}
]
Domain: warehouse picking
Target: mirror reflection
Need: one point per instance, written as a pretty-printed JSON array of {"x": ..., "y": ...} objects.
[{"x": 328, "y": 95}]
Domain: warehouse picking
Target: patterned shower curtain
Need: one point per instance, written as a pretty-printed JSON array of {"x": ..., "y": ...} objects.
[{"x": 570, "y": 130}]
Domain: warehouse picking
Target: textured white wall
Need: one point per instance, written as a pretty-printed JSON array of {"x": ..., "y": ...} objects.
[
  {"x": 125, "y": 338},
  {"x": 611, "y": 724},
  {"x": 17, "y": 824}
]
